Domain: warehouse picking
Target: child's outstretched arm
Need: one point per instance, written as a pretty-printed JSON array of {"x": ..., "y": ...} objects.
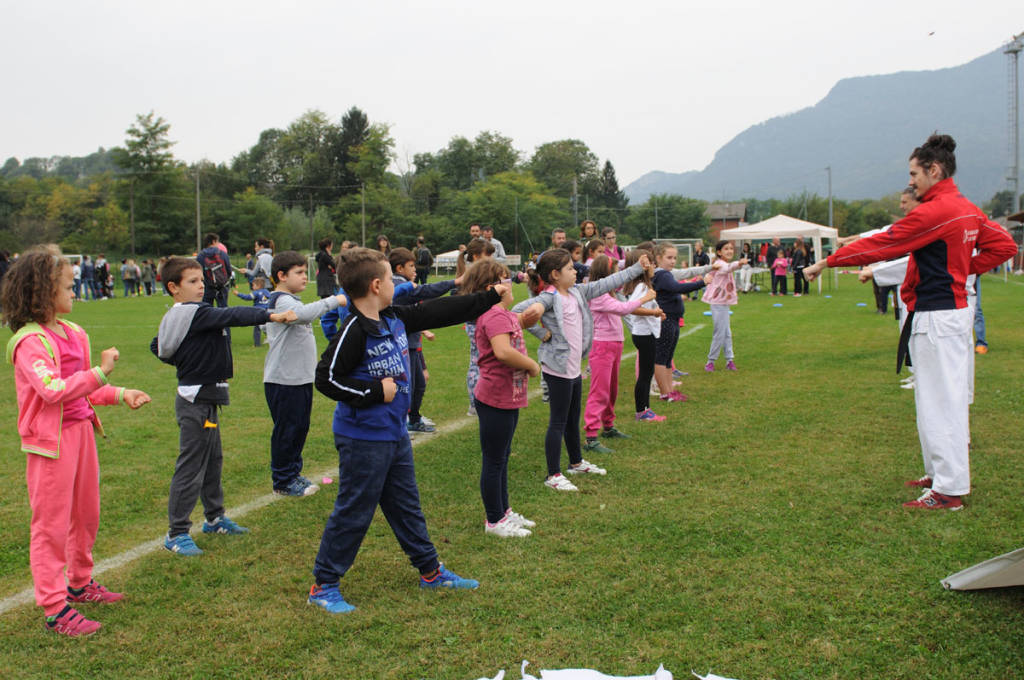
[
  {"x": 426, "y": 291},
  {"x": 334, "y": 371},
  {"x": 544, "y": 301},
  {"x": 690, "y": 272},
  {"x": 447, "y": 311},
  {"x": 308, "y": 312},
  {"x": 610, "y": 283},
  {"x": 608, "y": 304}
]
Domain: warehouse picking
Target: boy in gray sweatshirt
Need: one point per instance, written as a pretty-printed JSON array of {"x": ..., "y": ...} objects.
[{"x": 288, "y": 372}]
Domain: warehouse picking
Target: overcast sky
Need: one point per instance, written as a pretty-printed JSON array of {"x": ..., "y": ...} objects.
[{"x": 648, "y": 85}]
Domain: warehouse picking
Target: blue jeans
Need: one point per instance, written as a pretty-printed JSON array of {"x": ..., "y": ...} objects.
[
  {"x": 372, "y": 473},
  {"x": 979, "y": 316},
  {"x": 290, "y": 406}
]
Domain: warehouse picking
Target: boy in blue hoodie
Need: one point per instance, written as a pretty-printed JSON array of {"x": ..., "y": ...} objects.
[{"x": 366, "y": 370}]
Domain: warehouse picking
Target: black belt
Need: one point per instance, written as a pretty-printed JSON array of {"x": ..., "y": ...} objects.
[{"x": 903, "y": 350}]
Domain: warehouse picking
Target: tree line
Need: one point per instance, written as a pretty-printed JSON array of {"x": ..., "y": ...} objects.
[{"x": 321, "y": 177}]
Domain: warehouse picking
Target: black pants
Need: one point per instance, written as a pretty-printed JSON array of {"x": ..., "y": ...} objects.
[
  {"x": 564, "y": 422},
  {"x": 421, "y": 275},
  {"x": 645, "y": 345},
  {"x": 882, "y": 297},
  {"x": 290, "y": 406},
  {"x": 417, "y": 383},
  {"x": 800, "y": 285},
  {"x": 778, "y": 281},
  {"x": 497, "y": 426}
]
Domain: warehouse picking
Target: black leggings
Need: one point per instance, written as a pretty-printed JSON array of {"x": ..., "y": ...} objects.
[
  {"x": 564, "y": 422},
  {"x": 497, "y": 426},
  {"x": 645, "y": 345}
]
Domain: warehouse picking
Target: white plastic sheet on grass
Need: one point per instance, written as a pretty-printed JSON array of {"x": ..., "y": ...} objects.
[
  {"x": 999, "y": 572},
  {"x": 585, "y": 674}
]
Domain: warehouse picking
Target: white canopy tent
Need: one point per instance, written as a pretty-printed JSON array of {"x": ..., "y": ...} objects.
[{"x": 784, "y": 226}]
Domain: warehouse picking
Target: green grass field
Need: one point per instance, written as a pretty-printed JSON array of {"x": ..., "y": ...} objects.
[{"x": 757, "y": 532}]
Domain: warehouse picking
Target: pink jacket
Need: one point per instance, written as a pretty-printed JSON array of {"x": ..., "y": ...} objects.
[
  {"x": 42, "y": 392},
  {"x": 608, "y": 313},
  {"x": 722, "y": 289}
]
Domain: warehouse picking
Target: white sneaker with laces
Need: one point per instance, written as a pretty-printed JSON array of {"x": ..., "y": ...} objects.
[
  {"x": 585, "y": 467},
  {"x": 519, "y": 520},
  {"x": 506, "y": 529},
  {"x": 559, "y": 483},
  {"x": 427, "y": 421}
]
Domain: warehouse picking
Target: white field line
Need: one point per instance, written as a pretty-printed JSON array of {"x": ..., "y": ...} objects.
[{"x": 27, "y": 596}]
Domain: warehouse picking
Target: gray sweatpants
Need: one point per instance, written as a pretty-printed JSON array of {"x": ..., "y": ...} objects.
[
  {"x": 722, "y": 336},
  {"x": 197, "y": 472}
]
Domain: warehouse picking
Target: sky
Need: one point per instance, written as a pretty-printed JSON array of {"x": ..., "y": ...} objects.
[{"x": 647, "y": 85}]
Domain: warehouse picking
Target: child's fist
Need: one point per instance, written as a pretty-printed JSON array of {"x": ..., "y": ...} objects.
[
  {"x": 107, "y": 359},
  {"x": 707, "y": 278},
  {"x": 427, "y": 335},
  {"x": 135, "y": 398},
  {"x": 649, "y": 295},
  {"x": 342, "y": 300},
  {"x": 531, "y": 315},
  {"x": 534, "y": 369},
  {"x": 390, "y": 388}
]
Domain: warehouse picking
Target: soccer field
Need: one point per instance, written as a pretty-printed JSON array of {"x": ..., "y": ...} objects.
[{"x": 757, "y": 532}]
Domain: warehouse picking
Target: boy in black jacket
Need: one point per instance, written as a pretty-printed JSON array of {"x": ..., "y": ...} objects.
[
  {"x": 193, "y": 337},
  {"x": 366, "y": 370}
]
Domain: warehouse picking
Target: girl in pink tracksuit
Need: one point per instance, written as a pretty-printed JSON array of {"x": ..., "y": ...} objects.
[
  {"x": 605, "y": 356},
  {"x": 57, "y": 390}
]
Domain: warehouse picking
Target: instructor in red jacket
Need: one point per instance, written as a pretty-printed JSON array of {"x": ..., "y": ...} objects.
[{"x": 939, "y": 236}]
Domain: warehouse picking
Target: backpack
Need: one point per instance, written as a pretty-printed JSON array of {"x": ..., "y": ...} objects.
[
  {"x": 216, "y": 269},
  {"x": 424, "y": 258}
]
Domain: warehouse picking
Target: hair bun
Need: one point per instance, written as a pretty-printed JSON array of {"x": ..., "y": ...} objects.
[{"x": 943, "y": 142}]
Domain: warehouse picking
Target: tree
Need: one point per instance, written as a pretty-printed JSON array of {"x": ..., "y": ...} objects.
[
  {"x": 557, "y": 164},
  {"x": 669, "y": 216},
  {"x": 1001, "y": 204}
]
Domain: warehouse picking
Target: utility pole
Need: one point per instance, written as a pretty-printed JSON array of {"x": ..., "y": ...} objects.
[
  {"x": 199, "y": 237},
  {"x": 1012, "y": 50},
  {"x": 515, "y": 225},
  {"x": 655, "y": 218},
  {"x": 828, "y": 169},
  {"x": 362, "y": 196},
  {"x": 131, "y": 211},
  {"x": 311, "y": 223},
  {"x": 575, "y": 203}
]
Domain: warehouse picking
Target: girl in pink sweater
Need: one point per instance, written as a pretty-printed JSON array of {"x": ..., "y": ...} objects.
[
  {"x": 605, "y": 356},
  {"x": 57, "y": 390},
  {"x": 721, "y": 295}
]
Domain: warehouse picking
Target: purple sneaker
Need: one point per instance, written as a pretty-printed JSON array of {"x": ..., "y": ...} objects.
[
  {"x": 730, "y": 366},
  {"x": 710, "y": 367}
]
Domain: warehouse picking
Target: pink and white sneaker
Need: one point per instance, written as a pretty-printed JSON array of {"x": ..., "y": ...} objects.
[
  {"x": 675, "y": 395},
  {"x": 730, "y": 365},
  {"x": 649, "y": 416},
  {"x": 93, "y": 592}
]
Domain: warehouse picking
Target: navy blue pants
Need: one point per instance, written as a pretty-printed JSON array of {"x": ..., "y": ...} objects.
[
  {"x": 497, "y": 426},
  {"x": 564, "y": 397},
  {"x": 370, "y": 474},
  {"x": 290, "y": 406}
]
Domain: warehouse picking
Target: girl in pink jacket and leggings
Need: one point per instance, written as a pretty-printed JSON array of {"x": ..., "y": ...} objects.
[
  {"x": 57, "y": 390},
  {"x": 605, "y": 356}
]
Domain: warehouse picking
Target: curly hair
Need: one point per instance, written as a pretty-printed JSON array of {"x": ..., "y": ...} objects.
[
  {"x": 937, "y": 149},
  {"x": 30, "y": 287},
  {"x": 475, "y": 250}
]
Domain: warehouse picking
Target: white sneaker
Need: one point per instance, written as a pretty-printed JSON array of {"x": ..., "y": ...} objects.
[
  {"x": 559, "y": 483},
  {"x": 585, "y": 467},
  {"x": 519, "y": 520},
  {"x": 471, "y": 412},
  {"x": 907, "y": 384},
  {"x": 505, "y": 529},
  {"x": 427, "y": 421}
]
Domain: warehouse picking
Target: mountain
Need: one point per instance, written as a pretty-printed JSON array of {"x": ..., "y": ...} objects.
[{"x": 865, "y": 128}]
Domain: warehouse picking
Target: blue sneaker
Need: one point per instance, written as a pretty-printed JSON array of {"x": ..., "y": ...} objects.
[
  {"x": 676, "y": 373},
  {"x": 448, "y": 579},
  {"x": 223, "y": 525},
  {"x": 182, "y": 544},
  {"x": 421, "y": 427},
  {"x": 328, "y": 597},
  {"x": 300, "y": 486}
]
